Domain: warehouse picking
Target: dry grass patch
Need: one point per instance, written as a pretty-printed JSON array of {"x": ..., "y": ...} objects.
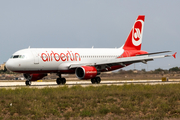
[{"x": 111, "y": 102}]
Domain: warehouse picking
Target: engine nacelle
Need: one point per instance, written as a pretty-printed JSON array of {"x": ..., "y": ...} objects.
[
  {"x": 86, "y": 72},
  {"x": 34, "y": 77}
]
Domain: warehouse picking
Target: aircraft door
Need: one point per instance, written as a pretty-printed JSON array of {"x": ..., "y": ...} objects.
[{"x": 36, "y": 57}]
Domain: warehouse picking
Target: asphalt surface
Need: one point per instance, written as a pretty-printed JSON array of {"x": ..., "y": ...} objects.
[{"x": 42, "y": 84}]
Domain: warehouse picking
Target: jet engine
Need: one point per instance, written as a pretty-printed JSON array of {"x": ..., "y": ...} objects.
[
  {"x": 86, "y": 72},
  {"x": 34, "y": 77}
]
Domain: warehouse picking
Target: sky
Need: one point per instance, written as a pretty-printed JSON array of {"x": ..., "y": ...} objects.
[{"x": 87, "y": 23}]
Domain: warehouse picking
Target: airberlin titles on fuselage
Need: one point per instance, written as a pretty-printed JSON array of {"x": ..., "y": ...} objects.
[{"x": 69, "y": 56}]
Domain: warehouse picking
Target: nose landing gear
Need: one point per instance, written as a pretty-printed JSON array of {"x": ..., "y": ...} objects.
[
  {"x": 28, "y": 79},
  {"x": 28, "y": 82}
]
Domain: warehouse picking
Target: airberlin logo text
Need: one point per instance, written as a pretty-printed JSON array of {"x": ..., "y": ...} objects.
[{"x": 69, "y": 56}]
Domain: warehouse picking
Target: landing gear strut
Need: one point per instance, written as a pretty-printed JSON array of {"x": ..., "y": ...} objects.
[
  {"x": 96, "y": 80},
  {"x": 60, "y": 80}
]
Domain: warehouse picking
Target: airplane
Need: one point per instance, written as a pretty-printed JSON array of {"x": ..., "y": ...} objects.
[{"x": 85, "y": 63}]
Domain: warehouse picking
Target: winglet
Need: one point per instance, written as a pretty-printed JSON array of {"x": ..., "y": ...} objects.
[{"x": 174, "y": 55}]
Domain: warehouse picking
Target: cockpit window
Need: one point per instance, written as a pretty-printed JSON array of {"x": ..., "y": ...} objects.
[
  {"x": 21, "y": 56},
  {"x": 17, "y": 56}
]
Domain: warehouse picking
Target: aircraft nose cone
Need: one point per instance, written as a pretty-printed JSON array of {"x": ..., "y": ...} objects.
[{"x": 9, "y": 65}]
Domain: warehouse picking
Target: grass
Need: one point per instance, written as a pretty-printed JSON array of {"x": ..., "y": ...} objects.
[{"x": 104, "y": 102}]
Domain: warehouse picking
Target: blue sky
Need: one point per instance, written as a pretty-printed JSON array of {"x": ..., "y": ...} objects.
[{"x": 87, "y": 23}]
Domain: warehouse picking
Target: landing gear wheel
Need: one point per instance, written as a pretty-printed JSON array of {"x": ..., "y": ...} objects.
[
  {"x": 60, "y": 81},
  {"x": 93, "y": 80},
  {"x": 63, "y": 80},
  {"x": 96, "y": 80},
  {"x": 28, "y": 83}
]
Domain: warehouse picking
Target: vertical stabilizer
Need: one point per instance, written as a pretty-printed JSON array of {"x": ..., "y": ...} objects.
[{"x": 134, "y": 39}]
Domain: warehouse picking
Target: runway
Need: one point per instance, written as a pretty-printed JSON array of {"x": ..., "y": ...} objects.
[{"x": 42, "y": 84}]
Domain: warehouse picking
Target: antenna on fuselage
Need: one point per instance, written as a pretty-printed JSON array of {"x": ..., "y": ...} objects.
[
  {"x": 29, "y": 47},
  {"x": 92, "y": 47}
]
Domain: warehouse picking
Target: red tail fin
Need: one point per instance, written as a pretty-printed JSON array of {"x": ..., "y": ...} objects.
[{"x": 134, "y": 39}]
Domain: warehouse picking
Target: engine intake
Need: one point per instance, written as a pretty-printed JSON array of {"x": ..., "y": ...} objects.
[{"x": 86, "y": 72}]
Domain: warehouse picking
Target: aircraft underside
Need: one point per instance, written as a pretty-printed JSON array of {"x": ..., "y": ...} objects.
[{"x": 83, "y": 73}]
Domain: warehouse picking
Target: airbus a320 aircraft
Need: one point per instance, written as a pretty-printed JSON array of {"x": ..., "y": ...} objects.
[{"x": 86, "y": 63}]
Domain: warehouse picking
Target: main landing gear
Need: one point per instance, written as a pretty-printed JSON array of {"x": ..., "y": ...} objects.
[
  {"x": 60, "y": 80},
  {"x": 96, "y": 80}
]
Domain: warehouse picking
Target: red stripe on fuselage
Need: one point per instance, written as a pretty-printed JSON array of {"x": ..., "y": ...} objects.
[{"x": 71, "y": 71}]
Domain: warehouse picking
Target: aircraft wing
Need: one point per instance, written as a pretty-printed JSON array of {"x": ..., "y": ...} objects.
[
  {"x": 122, "y": 61},
  {"x": 154, "y": 53},
  {"x": 135, "y": 59}
]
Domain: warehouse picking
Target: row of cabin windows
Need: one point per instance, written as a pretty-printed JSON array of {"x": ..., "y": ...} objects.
[
  {"x": 84, "y": 56},
  {"x": 98, "y": 56}
]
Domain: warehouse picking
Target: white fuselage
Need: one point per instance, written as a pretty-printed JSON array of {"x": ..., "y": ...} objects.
[
  {"x": 55, "y": 59},
  {"x": 66, "y": 60}
]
